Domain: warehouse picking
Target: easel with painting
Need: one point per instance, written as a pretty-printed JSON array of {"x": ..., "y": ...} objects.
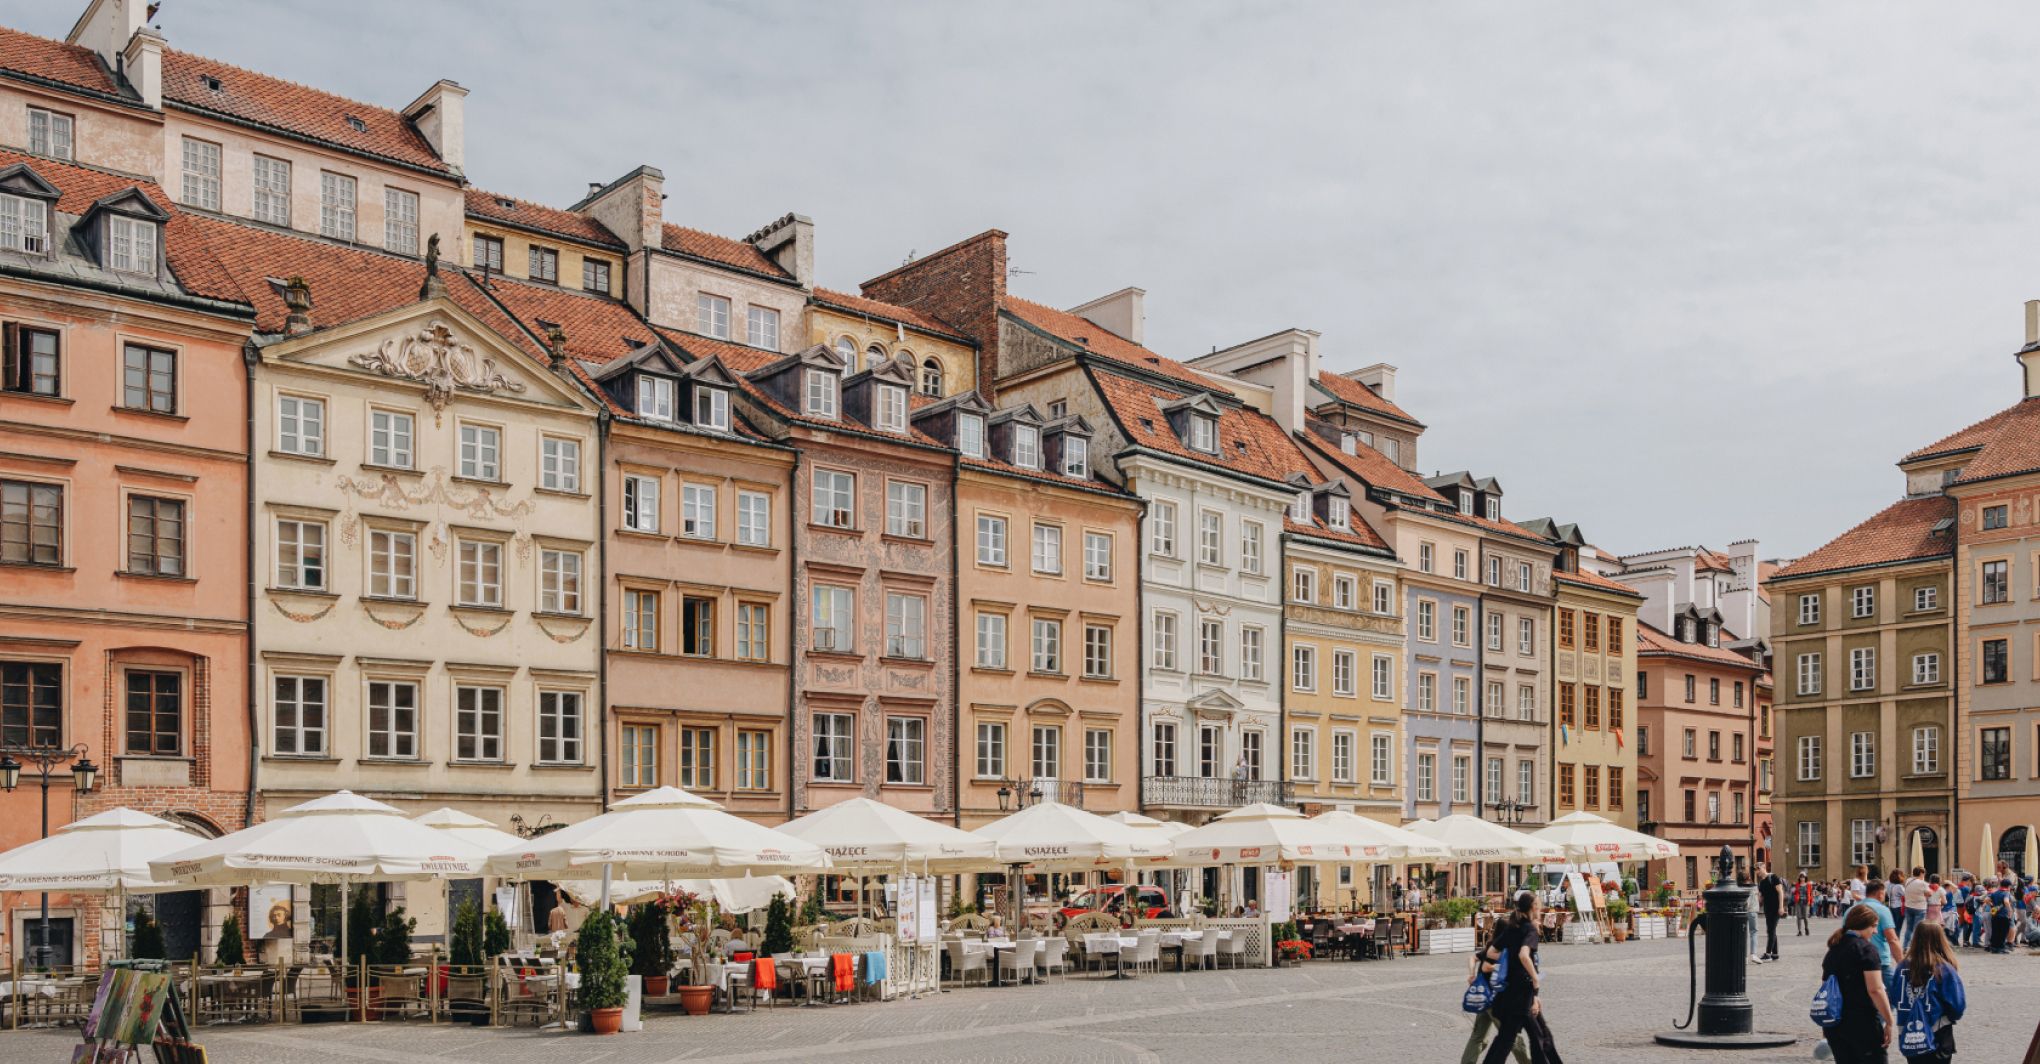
[{"x": 137, "y": 1005}]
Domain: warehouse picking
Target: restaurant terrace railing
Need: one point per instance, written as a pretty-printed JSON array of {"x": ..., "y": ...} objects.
[{"x": 1211, "y": 792}]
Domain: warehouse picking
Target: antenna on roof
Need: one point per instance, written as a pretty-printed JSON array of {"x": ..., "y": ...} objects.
[
  {"x": 1015, "y": 271},
  {"x": 912, "y": 254}
]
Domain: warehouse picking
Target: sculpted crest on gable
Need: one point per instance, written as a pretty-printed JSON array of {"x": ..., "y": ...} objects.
[{"x": 443, "y": 363}]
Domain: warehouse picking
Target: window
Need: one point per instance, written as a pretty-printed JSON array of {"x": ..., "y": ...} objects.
[
  {"x": 559, "y": 581},
  {"x": 1809, "y": 674},
  {"x": 1165, "y": 748},
  {"x": 1689, "y": 688},
  {"x": 754, "y": 519},
  {"x": 1303, "y": 585},
  {"x": 1862, "y": 755},
  {"x": 697, "y": 626},
  {"x": 49, "y": 133},
  {"x": 1994, "y": 753},
  {"x": 1713, "y": 691},
  {"x": 131, "y": 245},
  {"x": 1494, "y": 631},
  {"x": 595, "y": 278},
  {"x": 1250, "y": 752},
  {"x": 301, "y": 555},
  {"x": 991, "y": 750},
  {"x": 478, "y": 724},
  {"x": 640, "y": 503},
  {"x": 820, "y": 394},
  {"x": 905, "y": 745},
  {"x": 389, "y": 439},
  {"x": 1642, "y": 684},
  {"x": 300, "y": 716},
  {"x": 1809, "y": 844},
  {"x": 544, "y": 265},
  {"x": 1097, "y": 556},
  {"x": 1380, "y": 758},
  {"x": 559, "y": 464},
  {"x": 1462, "y": 768},
  {"x": 1302, "y": 753},
  {"x": 1427, "y": 620},
  {"x": 1097, "y": 651},
  {"x": 1425, "y": 557},
  {"x": 1997, "y": 661},
  {"x": 31, "y": 523},
  {"x": 1713, "y": 807},
  {"x": 1713, "y": 746},
  {"x": 835, "y": 502},
  {"x": 559, "y": 727},
  {"x": 1027, "y": 447},
  {"x": 1046, "y": 754},
  {"x": 641, "y": 620},
  {"x": 1427, "y": 777},
  {"x": 481, "y": 574},
  {"x": 1076, "y": 456},
  {"x": 336, "y": 206},
  {"x": 1565, "y": 629},
  {"x": 392, "y": 564},
  {"x": 712, "y": 316},
  {"x": 832, "y": 748},
  {"x": 1590, "y": 704},
  {"x": 1493, "y": 778},
  {"x": 1997, "y": 583},
  {"x": 761, "y": 328},
  {"x": 155, "y": 713},
  {"x": 1495, "y": 702},
  {"x": 400, "y": 228},
  {"x": 1862, "y": 668},
  {"x": 1250, "y": 654},
  {"x": 906, "y": 509},
  {"x": 906, "y": 626},
  {"x": 1164, "y": 653},
  {"x": 655, "y": 397},
  {"x": 1384, "y": 596},
  {"x": 149, "y": 379},
  {"x": 1809, "y": 758},
  {"x": 1494, "y": 572},
  {"x": 1995, "y": 517},
  {"x": 1642, "y": 741},
  {"x": 1462, "y": 695},
  {"x": 1462, "y": 624},
  {"x": 1048, "y": 549},
  {"x": 1345, "y": 670},
  {"x": 201, "y": 174},
  {"x": 489, "y": 253},
  {"x": 1523, "y": 581},
  {"x": 1299, "y": 509},
  {"x": 991, "y": 640},
  {"x": 1690, "y": 801},
  {"x": 754, "y": 631},
  {"x": 1738, "y": 694},
  {"x": 834, "y": 614},
  {"x": 639, "y": 764},
  {"x": 1926, "y": 598},
  {"x": 300, "y": 425},
  {"x": 1691, "y": 746},
  {"x": 931, "y": 377},
  {"x": 1250, "y": 547},
  {"x": 1427, "y": 691},
  {"x": 392, "y": 719},
  {"x": 1097, "y": 755},
  {"x": 1526, "y": 782},
  {"x": 481, "y": 449},
  {"x": 1046, "y": 642},
  {"x": 1590, "y": 632},
  {"x": 1926, "y": 750},
  {"x": 1615, "y": 709},
  {"x": 1204, "y": 433},
  {"x": 1736, "y": 747},
  {"x": 697, "y": 758},
  {"x": 33, "y": 366},
  {"x": 1862, "y": 842},
  {"x": 1384, "y": 678},
  {"x": 1862, "y": 601},
  {"x": 891, "y": 415},
  {"x": 991, "y": 540},
  {"x": 24, "y": 224},
  {"x": 1303, "y": 667},
  {"x": 155, "y": 535},
  {"x": 1568, "y": 701},
  {"x": 1162, "y": 529},
  {"x": 970, "y": 435},
  {"x": 1926, "y": 668}
]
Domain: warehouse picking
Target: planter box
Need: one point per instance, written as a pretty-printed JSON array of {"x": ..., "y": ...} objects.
[
  {"x": 1445, "y": 940},
  {"x": 1650, "y": 927},
  {"x": 1576, "y": 931}
]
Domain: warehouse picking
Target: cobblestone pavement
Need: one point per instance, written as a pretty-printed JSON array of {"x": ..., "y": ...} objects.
[{"x": 1604, "y": 1001}]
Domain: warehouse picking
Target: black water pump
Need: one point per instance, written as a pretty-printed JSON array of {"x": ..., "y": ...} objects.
[{"x": 1727, "y": 1019}]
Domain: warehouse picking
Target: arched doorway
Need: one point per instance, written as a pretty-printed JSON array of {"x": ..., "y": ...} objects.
[
  {"x": 181, "y": 914},
  {"x": 1928, "y": 846},
  {"x": 2012, "y": 851}
]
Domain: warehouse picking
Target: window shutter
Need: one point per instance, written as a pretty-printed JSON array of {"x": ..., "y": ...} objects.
[{"x": 16, "y": 366}]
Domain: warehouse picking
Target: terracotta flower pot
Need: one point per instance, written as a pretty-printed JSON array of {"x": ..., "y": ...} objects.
[
  {"x": 695, "y": 999},
  {"x": 658, "y": 985},
  {"x": 605, "y": 1021}
]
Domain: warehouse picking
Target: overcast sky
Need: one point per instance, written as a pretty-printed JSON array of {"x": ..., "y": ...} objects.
[{"x": 1679, "y": 274}]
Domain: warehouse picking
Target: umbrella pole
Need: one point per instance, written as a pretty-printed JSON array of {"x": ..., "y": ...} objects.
[{"x": 606, "y": 867}]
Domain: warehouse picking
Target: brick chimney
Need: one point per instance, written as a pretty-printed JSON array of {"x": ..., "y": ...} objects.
[
  {"x": 1123, "y": 313},
  {"x": 632, "y": 206},
  {"x": 790, "y": 242},
  {"x": 963, "y": 285},
  {"x": 440, "y": 116}
]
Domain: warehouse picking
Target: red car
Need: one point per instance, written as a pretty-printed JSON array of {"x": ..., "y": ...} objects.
[{"x": 1112, "y": 899}]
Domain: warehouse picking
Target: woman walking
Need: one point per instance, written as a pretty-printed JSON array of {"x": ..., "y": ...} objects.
[
  {"x": 1929, "y": 970},
  {"x": 1865, "y": 1027},
  {"x": 1516, "y": 1008}
]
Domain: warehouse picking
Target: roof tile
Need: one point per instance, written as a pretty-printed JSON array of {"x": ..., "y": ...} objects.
[
  {"x": 1360, "y": 395},
  {"x": 873, "y": 308},
  {"x": 290, "y": 107},
  {"x": 1900, "y": 532},
  {"x": 697, "y": 244},
  {"x": 1248, "y": 441},
  {"x": 1652, "y": 643},
  {"x": 58, "y": 61},
  {"x": 1106, "y": 344},
  {"x": 528, "y": 215},
  {"x": 191, "y": 259}
]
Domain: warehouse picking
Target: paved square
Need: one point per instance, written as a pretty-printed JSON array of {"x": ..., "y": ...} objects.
[{"x": 1604, "y": 1001}]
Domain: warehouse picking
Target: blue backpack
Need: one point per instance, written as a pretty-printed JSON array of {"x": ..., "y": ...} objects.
[
  {"x": 1486, "y": 987},
  {"x": 1917, "y": 1010},
  {"x": 1827, "y": 1004}
]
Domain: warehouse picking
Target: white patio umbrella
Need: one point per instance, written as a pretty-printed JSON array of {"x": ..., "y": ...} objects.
[
  {"x": 866, "y": 838},
  {"x": 1384, "y": 842},
  {"x": 1142, "y": 822},
  {"x": 662, "y": 834},
  {"x": 734, "y": 896},
  {"x": 471, "y": 829},
  {"x": 104, "y": 854},
  {"x": 1471, "y": 838},
  {"x": 1053, "y": 837},
  {"x": 1586, "y": 837},
  {"x": 1263, "y": 833}
]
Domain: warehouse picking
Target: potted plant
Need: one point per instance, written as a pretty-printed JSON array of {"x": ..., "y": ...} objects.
[
  {"x": 230, "y": 951},
  {"x": 651, "y": 955},
  {"x": 466, "y": 982},
  {"x": 364, "y": 998},
  {"x": 603, "y": 956},
  {"x": 696, "y": 913},
  {"x": 778, "y": 927},
  {"x": 148, "y": 937},
  {"x": 1618, "y": 918},
  {"x": 1290, "y": 946},
  {"x": 495, "y": 935}
]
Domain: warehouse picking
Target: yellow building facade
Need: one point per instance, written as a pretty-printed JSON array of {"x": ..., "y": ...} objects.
[
  {"x": 1594, "y": 669},
  {"x": 862, "y": 331}
]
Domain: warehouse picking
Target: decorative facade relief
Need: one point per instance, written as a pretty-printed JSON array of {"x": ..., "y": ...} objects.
[{"x": 433, "y": 357}]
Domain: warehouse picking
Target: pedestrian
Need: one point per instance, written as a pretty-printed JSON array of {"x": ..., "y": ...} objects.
[
  {"x": 1929, "y": 970},
  {"x": 2000, "y": 909},
  {"x": 1863, "y": 1032},
  {"x": 1886, "y": 939},
  {"x": 1856, "y": 884},
  {"x": 1395, "y": 893},
  {"x": 1916, "y": 889},
  {"x": 1485, "y": 1020},
  {"x": 1771, "y": 891},
  {"x": 1802, "y": 904},
  {"x": 1517, "y": 1007}
]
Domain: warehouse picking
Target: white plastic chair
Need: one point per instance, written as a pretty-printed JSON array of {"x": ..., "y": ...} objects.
[
  {"x": 1019, "y": 960},
  {"x": 1197, "y": 951},
  {"x": 1054, "y": 956},
  {"x": 964, "y": 960},
  {"x": 1233, "y": 947},
  {"x": 1148, "y": 955}
]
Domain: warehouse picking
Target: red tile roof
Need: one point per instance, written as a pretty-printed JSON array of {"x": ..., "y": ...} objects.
[
  {"x": 191, "y": 260},
  {"x": 291, "y": 108},
  {"x": 720, "y": 249},
  {"x": 1506, "y": 528},
  {"x": 1901, "y": 532},
  {"x": 1249, "y": 442},
  {"x": 598, "y": 329},
  {"x": 1596, "y": 581},
  {"x": 1362, "y": 534},
  {"x": 524, "y": 214},
  {"x": 993, "y": 465},
  {"x": 873, "y": 308},
  {"x": 1102, "y": 342},
  {"x": 1969, "y": 438},
  {"x": 1360, "y": 395},
  {"x": 742, "y": 360},
  {"x": 1374, "y": 469},
  {"x": 56, "y": 61},
  {"x": 1652, "y": 643}
]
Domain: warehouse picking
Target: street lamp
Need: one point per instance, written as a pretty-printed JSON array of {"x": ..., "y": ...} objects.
[
  {"x": 1507, "y": 812},
  {"x": 45, "y": 759},
  {"x": 1005, "y": 798}
]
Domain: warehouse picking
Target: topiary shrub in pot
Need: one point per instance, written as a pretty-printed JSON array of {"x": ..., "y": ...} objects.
[
  {"x": 230, "y": 950},
  {"x": 495, "y": 935},
  {"x": 778, "y": 927},
  {"x": 603, "y": 956},
  {"x": 651, "y": 956},
  {"x": 467, "y": 982},
  {"x": 148, "y": 937}
]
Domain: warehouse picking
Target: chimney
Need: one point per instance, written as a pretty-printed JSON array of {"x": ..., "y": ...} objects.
[
  {"x": 1123, "y": 312},
  {"x": 1379, "y": 376},
  {"x": 964, "y": 285},
  {"x": 2029, "y": 356},
  {"x": 440, "y": 115},
  {"x": 142, "y": 64},
  {"x": 107, "y": 27},
  {"x": 790, "y": 242},
  {"x": 297, "y": 302},
  {"x": 1285, "y": 363}
]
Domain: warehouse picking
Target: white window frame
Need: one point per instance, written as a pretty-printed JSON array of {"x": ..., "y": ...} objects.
[
  {"x": 1076, "y": 456},
  {"x": 478, "y": 577},
  {"x": 1808, "y": 671},
  {"x": 400, "y": 221},
  {"x": 301, "y": 563},
  {"x": 1383, "y": 677},
  {"x": 201, "y": 172},
  {"x": 820, "y": 393},
  {"x": 1345, "y": 673},
  {"x": 1097, "y": 755},
  {"x": 697, "y": 511},
  {"x": 24, "y": 224},
  {"x": 559, "y": 464},
  {"x": 991, "y": 750},
  {"x": 1863, "y": 601},
  {"x": 1303, "y": 584},
  {"x": 560, "y": 576},
  {"x": 1211, "y": 647},
  {"x": 1046, "y": 551},
  {"x": 833, "y": 611},
  {"x": 1097, "y": 651},
  {"x": 906, "y": 509},
  {"x": 641, "y": 503},
  {"x": 1044, "y": 643},
  {"x": 906, "y": 626},
  {"x": 481, "y": 452},
  {"x": 712, "y": 315},
  {"x": 834, "y": 742},
  {"x": 1926, "y": 750},
  {"x": 834, "y": 499},
  {"x": 337, "y": 205},
  {"x": 52, "y": 133},
  {"x": 1251, "y": 556},
  {"x": 1210, "y": 537},
  {"x": 1162, "y": 529},
  {"x": 1027, "y": 447},
  {"x": 392, "y": 563},
  {"x": 1862, "y": 668},
  {"x": 1345, "y": 591},
  {"x": 1926, "y": 598},
  {"x": 761, "y": 327},
  {"x": 392, "y": 438},
  {"x": 131, "y": 245},
  {"x": 889, "y": 408},
  {"x": 301, "y": 425},
  {"x": 562, "y": 726},
  {"x": 1926, "y": 668},
  {"x": 397, "y": 743},
  {"x": 1164, "y": 640},
  {"x": 1097, "y": 556},
  {"x": 481, "y": 723},
  {"x": 991, "y": 639},
  {"x": 1380, "y": 758},
  {"x": 1809, "y": 608},
  {"x": 1862, "y": 755},
  {"x": 991, "y": 540},
  {"x": 313, "y": 693},
  {"x": 1303, "y": 667},
  {"x": 970, "y": 435},
  {"x": 1253, "y": 639},
  {"x": 1302, "y": 753}
]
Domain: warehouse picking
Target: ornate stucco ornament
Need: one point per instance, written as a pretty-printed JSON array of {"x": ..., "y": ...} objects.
[{"x": 443, "y": 364}]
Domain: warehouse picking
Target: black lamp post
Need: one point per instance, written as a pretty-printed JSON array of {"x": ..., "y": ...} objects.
[
  {"x": 1507, "y": 812},
  {"x": 45, "y": 759},
  {"x": 1005, "y": 798}
]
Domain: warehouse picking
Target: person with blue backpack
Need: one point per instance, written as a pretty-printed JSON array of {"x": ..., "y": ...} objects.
[
  {"x": 1484, "y": 979},
  {"x": 1851, "y": 1007},
  {"x": 1927, "y": 997},
  {"x": 1516, "y": 1008}
]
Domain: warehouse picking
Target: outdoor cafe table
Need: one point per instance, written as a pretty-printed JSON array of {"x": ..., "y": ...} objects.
[
  {"x": 1119, "y": 944},
  {"x": 230, "y": 990}
]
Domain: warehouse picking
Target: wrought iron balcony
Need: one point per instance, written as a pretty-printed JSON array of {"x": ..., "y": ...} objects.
[
  {"x": 1021, "y": 793},
  {"x": 1211, "y": 792}
]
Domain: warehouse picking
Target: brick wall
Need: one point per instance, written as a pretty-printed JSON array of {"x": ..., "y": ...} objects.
[{"x": 964, "y": 285}]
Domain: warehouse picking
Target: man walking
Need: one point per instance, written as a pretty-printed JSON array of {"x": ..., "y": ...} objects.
[
  {"x": 1802, "y": 904},
  {"x": 1916, "y": 890},
  {"x": 1886, "y": 936},
  {"x": 1771, "y": 891}
]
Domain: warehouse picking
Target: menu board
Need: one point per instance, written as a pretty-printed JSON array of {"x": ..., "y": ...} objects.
[
  {"x": 1277, "y": 885},
  {"x": 928, "y": 931},
  {"x": 1577, "y": 885},
  {"x": 907, "y": 906}
]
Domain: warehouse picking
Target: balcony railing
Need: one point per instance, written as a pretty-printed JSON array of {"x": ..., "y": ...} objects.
[
  {"x": 1211, "y": 792},
  {"x": 1021, "y": 793}
]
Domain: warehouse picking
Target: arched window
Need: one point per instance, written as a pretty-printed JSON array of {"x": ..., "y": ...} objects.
[
  {"x": 846, "y": 349},
  {"x": 874, "y": 356},
  {"x": 931, "y": 377}
]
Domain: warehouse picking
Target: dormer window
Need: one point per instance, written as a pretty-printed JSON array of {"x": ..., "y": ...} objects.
[
  {"x": 1342, "y": 514},
  {"x": 1686, "y": 630},
  {"x": 931, "y": 377},
  {"x": 655, "y": 398},
  {"x": 1076, "y": 456},
  {"x": 970, "y": 435},
  {"x": 1494, "y": 509},
  {"x": 130, "y": 245},
  {"x": 1027, "y": 446},
  {"x": 1713, "y": 634},
  {"x": 24, "y": 224},
  {"x": 889, "y": 409},
  {"x": 1466, "y": 503},
  {"x": 712, "y": 408},
  {"x": 1299, "y": 508},
  {"x": 820, "y": 394},
  {"x": 1204, "y": 433}
]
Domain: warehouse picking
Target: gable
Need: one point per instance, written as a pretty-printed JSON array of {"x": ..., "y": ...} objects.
[{"x": 434, "y": 346}]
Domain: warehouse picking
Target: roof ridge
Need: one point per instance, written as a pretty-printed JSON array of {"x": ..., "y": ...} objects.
[{"x": 236, "y": 67}]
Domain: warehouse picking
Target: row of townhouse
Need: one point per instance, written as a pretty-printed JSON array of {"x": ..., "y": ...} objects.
[
  {"x": 323, "y": 468},
  {"x": 1910, "y": 675}
]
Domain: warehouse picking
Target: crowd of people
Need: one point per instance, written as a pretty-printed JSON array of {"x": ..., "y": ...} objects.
[{"x": 1997, "y": 912}]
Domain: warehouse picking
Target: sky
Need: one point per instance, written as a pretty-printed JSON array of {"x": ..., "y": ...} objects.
[{"x": 1679, "y": 274}]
